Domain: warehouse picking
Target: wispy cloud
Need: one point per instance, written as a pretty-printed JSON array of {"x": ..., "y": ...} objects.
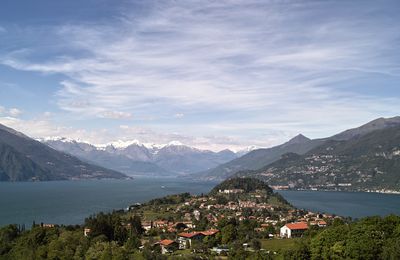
[
  {"x": 115, "y": 115},
  {"x": 228, "y": 66},
  {"x": 14, "y": 112}
]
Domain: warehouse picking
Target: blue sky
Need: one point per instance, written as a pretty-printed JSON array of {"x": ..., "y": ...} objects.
[{"x": 212, "y": 74}]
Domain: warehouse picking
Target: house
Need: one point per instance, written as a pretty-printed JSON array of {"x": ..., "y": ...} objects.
[
  {"x": 147, "y": 225},
  {"x": 319, "y": 223},
  {"x": 160, "y": 223},
  {"x": 210, "y": 232},
  {"x": 196, "y": 214},
  {"x": 220, "y": 249},
  {"x": 293, "y": 229},
  {"x": 86, "y": 232},
  {"x": 185, "y": 239},
  {"x": 167, "y": 246},
  {"x": 231, "y": 191},
  {"x": 47, "y": 225}
]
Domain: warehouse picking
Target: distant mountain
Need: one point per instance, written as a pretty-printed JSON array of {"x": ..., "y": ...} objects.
[
  {"x": 134, "y": 158},
  {"x": 108, "y": 157},
  {"x": 24, "y": 159},
  {"x": 184, "y": 159},
  {"x": 300, "y": 144},
  {"x": 377, "y": 124},
  {"x": 365, "y": 162},
  {"x": 258, "y": 158}
]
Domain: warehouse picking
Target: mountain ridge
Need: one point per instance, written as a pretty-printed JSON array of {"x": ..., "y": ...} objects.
[
  {"x": 138, "y": 159},
  {"x": 299, "y": 144},
  {"x": 25, "y": 159},
  {"x": 366, "y": 162}
]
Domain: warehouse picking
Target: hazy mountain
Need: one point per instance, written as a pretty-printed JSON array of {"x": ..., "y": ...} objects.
[
  {"x": 259, "y": 158},
  {"x": 184, "y": 159},
  {"x": 22, "y": 158},
  {"x": 109, "y": 157},
  {"x": 139, "y": 159},
  {"x": 368, "y": 161},
  {"x": 300, "y": 144}
]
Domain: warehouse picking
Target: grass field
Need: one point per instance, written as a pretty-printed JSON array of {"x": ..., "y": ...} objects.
[{"x": 277, "y": 244}]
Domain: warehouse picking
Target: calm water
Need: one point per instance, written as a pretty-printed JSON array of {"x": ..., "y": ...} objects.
[
  {"x": 69, "y": 202},
  {"x": 351, "y": 204}
]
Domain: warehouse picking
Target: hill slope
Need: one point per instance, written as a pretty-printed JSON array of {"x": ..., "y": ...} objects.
[
  {"x": 300, "y": 145},
  {"x": 370, "y": 161},
  {"x": 22, "y": 159},
  {"x": 259, "y": 158}
]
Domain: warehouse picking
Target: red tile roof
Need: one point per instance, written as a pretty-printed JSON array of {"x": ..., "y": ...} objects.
[
  {"x": 210, "y": 232},
  {"x": 204, "y": 233},
  {"x": 297, "y": 226},
  {"x": 166, "y": 242}
]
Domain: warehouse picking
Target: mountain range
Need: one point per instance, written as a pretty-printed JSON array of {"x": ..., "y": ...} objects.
[
  {"x": 25, "y": 159},
  {"x": 299, "y": 145},
  {"x": 369, "y": 161},
  {"x": 134, "y": 158},
  {"x": 361, "y": 158}
]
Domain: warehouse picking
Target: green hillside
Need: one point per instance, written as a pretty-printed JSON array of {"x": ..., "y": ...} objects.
[{"x": 371, "y": 161}]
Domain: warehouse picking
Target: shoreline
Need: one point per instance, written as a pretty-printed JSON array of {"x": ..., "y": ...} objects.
[{"x": 390, "y": 192}]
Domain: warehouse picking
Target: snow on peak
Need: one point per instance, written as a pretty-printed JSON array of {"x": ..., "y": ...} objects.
[
  {"x": 60, "y": 139},
  {"x": 119, "y": 144},
  {"x": 174, "y": 143}
]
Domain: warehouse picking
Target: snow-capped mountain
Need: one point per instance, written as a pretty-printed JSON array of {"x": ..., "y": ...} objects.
[{"x": 133, "y": 157}]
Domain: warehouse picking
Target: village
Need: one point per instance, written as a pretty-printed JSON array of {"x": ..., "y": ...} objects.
[{"x": 189, "y": 224}]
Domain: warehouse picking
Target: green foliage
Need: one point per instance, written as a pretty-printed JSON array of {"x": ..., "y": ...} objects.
[
  {"x": 246, "y": 184},
  {"x": 369, "y": 238},
  {"x": 256, "y": 244},
  {"x": 8, "y": 234},
  {"x": 229, "y": 234},
  {"x": 109, "y": 225},
  {"x": 170, "y": 199}
]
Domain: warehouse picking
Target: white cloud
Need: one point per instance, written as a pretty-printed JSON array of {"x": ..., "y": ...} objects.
[
  {"x": 14, "y": 112},
  {"x": 48, "y": 114},
  {"x": 115, "y": 115},
  {"x": 179, "y": 115},
  {"x": 45, "y": 128},
  {"x": 244, "y": 69}
]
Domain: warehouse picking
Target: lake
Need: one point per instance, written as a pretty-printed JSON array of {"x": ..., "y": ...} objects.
[
  {"x": 349, "y": 204},
  {"x": 69, "y": 202}
]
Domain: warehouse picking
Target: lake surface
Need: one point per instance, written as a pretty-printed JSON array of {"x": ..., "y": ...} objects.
[
  {"x": 69, "y": 202},
  {"x": 349, "y": 204}
]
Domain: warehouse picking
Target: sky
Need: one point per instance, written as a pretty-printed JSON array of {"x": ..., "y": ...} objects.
[{"x": 210, "y": 74}]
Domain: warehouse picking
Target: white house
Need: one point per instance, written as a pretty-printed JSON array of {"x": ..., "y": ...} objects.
[{"x": 293, "y": 229}]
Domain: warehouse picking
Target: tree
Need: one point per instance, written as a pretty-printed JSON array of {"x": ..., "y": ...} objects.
[
  {"x": 228, "y": 234},
  {"x": 8, "y": 234},
  {"x": 136, "y": 225},
  {"x": 256, "y": 244}
]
